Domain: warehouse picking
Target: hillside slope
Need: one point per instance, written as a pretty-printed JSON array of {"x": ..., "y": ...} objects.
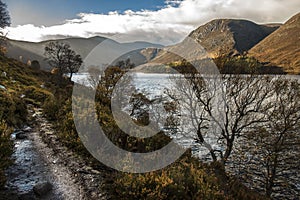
[{"x": 282, "y": 47}]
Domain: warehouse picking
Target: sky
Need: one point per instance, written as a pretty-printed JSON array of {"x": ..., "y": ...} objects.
[{"x": 159, "y": 21}]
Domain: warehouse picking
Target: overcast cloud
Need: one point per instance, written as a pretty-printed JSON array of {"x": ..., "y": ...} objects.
[{"x": 168, "y": 25}]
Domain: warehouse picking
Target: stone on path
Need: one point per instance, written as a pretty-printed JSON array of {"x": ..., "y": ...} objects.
[{"x": 42, "y": 189}]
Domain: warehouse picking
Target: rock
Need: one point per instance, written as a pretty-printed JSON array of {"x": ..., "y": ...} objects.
[
  {"x": 21, "y": 135},
  {"x": 95, "y": 171},
  {"x": 2, "y": 87},
  {"x": 43, "y": 188},
  {"x": 27, "y": 129}
]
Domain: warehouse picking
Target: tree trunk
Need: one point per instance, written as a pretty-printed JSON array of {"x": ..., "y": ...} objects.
[{"x": 271, "y": 177}]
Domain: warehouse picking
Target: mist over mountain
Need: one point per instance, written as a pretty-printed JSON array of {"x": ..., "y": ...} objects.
[{"x": 25, "y": 51}]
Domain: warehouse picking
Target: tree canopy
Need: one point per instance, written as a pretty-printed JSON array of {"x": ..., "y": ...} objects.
[{"x": 63, "y": 58}]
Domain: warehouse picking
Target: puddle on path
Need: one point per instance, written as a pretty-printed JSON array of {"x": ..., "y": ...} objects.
[{"x": 28, "y": 170}]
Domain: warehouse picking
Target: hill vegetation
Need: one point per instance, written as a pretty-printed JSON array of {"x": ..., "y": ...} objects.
[{"x": 20, "y": 86}]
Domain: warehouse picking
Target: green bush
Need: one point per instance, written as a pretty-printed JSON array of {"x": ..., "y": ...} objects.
[
  {"x": 13, "y": 109},
  {"x": 237, "y": 65}
]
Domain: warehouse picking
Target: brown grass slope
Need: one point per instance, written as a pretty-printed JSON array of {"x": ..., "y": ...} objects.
[{"x": 282, "y": 47}]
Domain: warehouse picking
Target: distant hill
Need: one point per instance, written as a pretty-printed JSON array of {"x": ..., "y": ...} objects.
[
  {"x": 224, "y": 36},
  {"x": 282, "y": 47},
  {"x": 25, "y": 51}
]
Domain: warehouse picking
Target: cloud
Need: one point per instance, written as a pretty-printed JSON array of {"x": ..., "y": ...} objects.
[{"x": 167, "y": 25}]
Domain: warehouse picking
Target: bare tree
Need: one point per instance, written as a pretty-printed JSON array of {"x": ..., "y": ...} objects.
[
  {"x": 250, "y": 123},
  {"x": 271, "y": 164},
  {"x": 219, "y": 114},
  {"x": 62, "y": 57}
]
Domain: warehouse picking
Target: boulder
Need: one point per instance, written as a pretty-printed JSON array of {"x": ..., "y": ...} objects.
[{"x": 42, "y": 189}]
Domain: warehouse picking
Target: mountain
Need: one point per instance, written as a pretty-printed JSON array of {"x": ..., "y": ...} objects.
[
  {"x": 25, "y": 51},
  {"x": 230, "y": 36},
  {"x": 224, "y": 36},
  {"x": 282, "y": 47}
]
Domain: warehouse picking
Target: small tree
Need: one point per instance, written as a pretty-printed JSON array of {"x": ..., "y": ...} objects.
[
  {"x": 127, "y": 64},
  {"x": 62, "y": 57}
]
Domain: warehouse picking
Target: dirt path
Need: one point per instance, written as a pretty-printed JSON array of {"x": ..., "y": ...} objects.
[{"x": 40, "y": 159}]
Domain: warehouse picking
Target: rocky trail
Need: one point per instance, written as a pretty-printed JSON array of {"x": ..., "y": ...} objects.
[{"x": 44, "y": 169}]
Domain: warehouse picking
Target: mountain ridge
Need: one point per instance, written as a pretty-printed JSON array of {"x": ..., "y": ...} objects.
[
  {"x": 24, "y": 51},
  {"x": 223, "y": 37},
  {"x": 272, "y": 44}
]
